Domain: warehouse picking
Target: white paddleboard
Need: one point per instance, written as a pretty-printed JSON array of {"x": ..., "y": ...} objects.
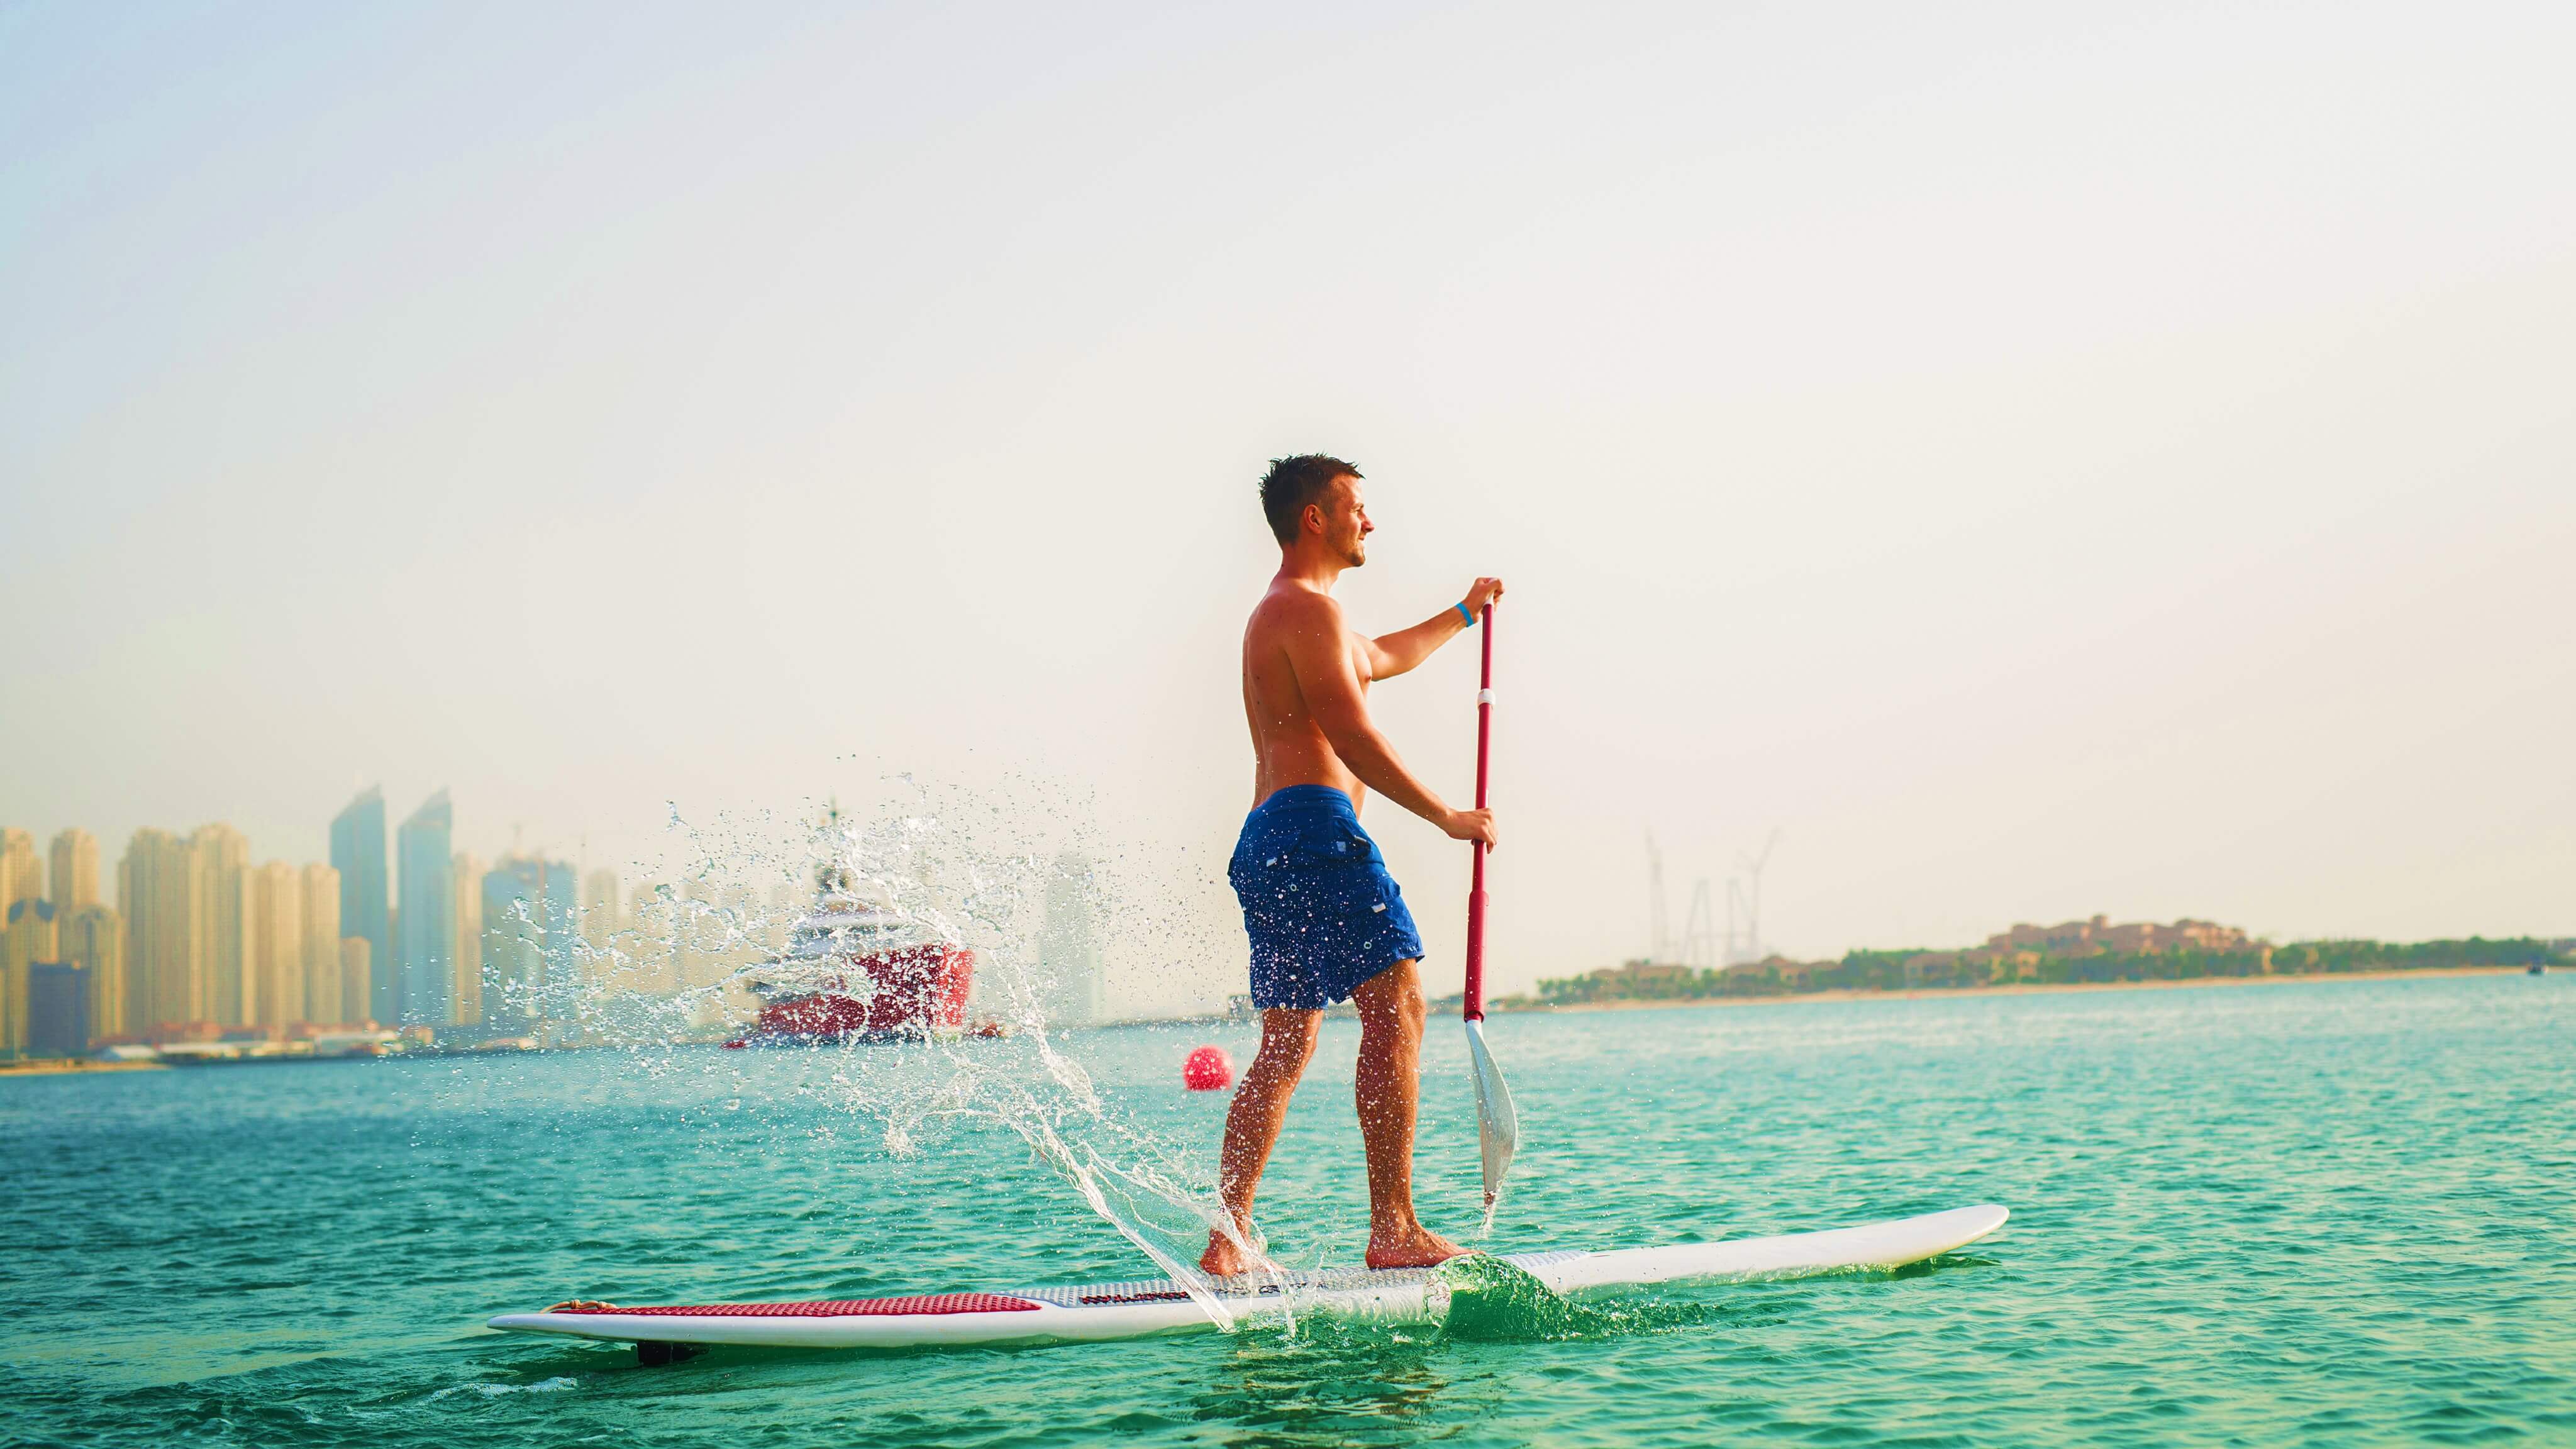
[{"x": 1099, "y": 1311}]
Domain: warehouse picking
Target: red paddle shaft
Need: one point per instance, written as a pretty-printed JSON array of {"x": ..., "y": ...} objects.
[{"x": 1476, "y": 888}]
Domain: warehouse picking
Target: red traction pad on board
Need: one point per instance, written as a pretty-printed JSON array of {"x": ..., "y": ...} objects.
[{"x": 836, "y": 1308}]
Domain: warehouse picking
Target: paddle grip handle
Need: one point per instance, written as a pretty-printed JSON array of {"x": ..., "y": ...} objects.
[{"x": 1475, "y": 1002}]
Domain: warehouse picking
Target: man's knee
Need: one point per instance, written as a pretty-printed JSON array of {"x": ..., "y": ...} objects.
[
  {"x": 1290, "y": 1035},
  {"x": 1392, "y": 1001}
]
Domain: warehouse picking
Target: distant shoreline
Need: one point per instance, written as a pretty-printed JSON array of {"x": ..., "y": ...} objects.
[
  {"x": 73, "y": 1066},
  {"x": 2018, "y": 988},
  {"x": 81, "y": 1066}
]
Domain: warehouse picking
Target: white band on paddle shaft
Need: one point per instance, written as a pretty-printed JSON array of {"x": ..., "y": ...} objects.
[{"x": 1484, "y": 696}]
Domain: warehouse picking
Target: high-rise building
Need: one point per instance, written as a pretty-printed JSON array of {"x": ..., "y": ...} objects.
[
  {"x": 599, "y": 908},
  {"x": 220, "y": 856},
  {"x": 75, "y": 870},
  {"x": 94, "y": 937},
  {"x": 599, "y": 920},
  {"x": 703, "y": 946},
  {"x": 58, "y": 997},
  {"x": 358, "y": 854},
  {"x": 22, "y": 876},
  {"x": 737, "y": 930},
  {"x": 320, "y": 892},
  {"x": 26, "y": 939},
  {"x": 276, "y": 949},
  {"x": 1069, "y": 967},
  {"x": 425, "y": 942},
  {"x": 357, "y": 978},
  {"x": 30, "y": 930},
  {"x": 676, "y": 915},
  {"x": 465, "y": 883},
  {"x": 156, "y": 892},
  {"x": 530, "y": 921},
  {"x": 651, "y": 924}
]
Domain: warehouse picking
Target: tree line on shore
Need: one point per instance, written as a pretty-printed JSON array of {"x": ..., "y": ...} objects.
[{"x": 1905, "y": 970}]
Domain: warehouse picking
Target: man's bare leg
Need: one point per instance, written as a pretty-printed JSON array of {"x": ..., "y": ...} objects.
[
  {"x": 1388, "y": 1089},
  {"x": 1252, "y": 1127}
]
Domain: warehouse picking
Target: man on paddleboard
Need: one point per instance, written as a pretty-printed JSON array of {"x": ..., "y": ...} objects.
[{"x": 1326, "y": 919}]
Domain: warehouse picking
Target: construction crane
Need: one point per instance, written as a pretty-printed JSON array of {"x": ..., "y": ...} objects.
[
  {"x": 1699, "y": 929},
  {"x": 1744, "y": 905},
  {"x": 1659, "y": 941},
  {"x": 1698, "y": 946}
]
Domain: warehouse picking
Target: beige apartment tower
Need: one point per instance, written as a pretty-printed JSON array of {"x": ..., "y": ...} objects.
[
  {"x": 274, "y": 955},
  {"x": 320, "y": 885},
  {"x": 466, "y": 888},
  {"x": 156, "y": 892},
  {"x": 94, "y": 936},
  {"x": 599, "y": 908},
  {"x": 28, "y": 938},
  {"x": 22, "y": 875},
  {"x": 652, "y": 923},
  {"x": 220, "y": 856},
  {"x": 75, "y": 870},
  {"x": 599, "y": 923},
  {"x": 354, "y": 964}
]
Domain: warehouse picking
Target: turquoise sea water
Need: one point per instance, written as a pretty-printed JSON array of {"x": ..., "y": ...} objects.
[{"x": 2282, "y": 1214}]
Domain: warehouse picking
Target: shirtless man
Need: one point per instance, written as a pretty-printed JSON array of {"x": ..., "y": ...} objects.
[{"x": 1326, "y": 920}]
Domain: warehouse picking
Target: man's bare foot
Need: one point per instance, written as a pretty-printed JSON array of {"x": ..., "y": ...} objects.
[
  {"x": 1414, "y": 1247},
  {"x": 1223, "y": 1259}
]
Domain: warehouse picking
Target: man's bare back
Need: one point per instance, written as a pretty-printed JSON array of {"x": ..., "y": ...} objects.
[
  {"x": 1288, "y": 745},
  {"x": 1306, "y": 677}
]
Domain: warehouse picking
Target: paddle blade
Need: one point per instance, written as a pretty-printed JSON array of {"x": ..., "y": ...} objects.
[{"x": 1498, "y": 1126}]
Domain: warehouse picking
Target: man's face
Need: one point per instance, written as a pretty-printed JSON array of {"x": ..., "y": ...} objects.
[{"x": 1346, "y": 521}]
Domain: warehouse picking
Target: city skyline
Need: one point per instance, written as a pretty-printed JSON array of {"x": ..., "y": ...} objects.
[
  {"x": 203, "y": 936},
  {"x": 226, "y": 940},
  {"x": 205, "y": 939}
]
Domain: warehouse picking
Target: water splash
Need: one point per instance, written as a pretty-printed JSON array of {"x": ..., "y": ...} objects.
[
  {"x": 962, "y": 868},
  {"x": 1491, "y": 1300}
]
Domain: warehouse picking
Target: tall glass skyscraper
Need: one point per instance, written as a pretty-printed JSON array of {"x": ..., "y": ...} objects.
[
  {"x": 358, "y": 854},
  {"x": 425, "y": 953}
]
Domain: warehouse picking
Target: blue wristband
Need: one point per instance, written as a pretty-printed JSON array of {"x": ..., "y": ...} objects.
[{"x": 1461, "y": 607}]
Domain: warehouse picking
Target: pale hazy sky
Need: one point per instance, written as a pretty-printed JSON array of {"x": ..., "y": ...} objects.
[{"x": 2043, "y": 459}]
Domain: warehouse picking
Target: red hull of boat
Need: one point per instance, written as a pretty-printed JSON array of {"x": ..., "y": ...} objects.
[{"x": 913, "y": 992}]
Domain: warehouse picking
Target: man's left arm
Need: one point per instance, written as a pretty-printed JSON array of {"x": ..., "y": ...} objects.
[{"x": 1393, "y": 654}]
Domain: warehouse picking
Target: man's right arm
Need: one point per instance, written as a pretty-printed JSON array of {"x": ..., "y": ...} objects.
[{"x": 1319, "y": 651}]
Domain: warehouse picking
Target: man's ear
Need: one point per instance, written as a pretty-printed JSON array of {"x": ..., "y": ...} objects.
[{"x": 1313, "y": 514}]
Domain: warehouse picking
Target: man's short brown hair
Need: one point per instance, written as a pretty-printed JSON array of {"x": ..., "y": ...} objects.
[{"x": 1293, "y": 483}]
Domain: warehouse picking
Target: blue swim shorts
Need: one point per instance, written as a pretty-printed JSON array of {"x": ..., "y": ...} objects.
[{"x": 1322, "y": 911}]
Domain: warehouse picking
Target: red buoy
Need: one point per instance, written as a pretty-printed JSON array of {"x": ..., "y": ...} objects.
[{"x": 1209, "y": 1069}]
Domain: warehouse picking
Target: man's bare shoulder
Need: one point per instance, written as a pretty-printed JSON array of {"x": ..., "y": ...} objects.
[{"x": 1286, "y": 612}]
